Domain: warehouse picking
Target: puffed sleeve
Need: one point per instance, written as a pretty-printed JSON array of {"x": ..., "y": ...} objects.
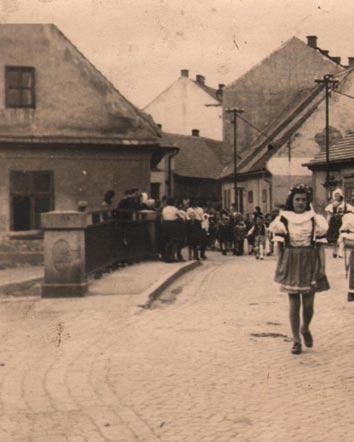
[
  {"x": 321, "y": 227},
  {"x": 329, "y": 208},
  {"x": 278, "y": 229}
]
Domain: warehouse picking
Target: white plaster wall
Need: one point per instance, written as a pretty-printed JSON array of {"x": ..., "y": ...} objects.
[
  {"x": 282, "y": 166},
  {"x": 256, "y": 185},
  {"x": 182, "y": 107}
]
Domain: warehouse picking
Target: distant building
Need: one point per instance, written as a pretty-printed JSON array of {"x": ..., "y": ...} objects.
[
  {"x": 297, "y": 147},
  {"x": 66, "y": 134},
  {"x": 196, "y": 167},
  {"x": 341, "y": 151},
  {"x": 189, "y": 104},
  {"x": 278, "y": 95}
]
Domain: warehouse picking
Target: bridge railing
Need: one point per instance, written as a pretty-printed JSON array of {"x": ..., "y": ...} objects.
[{"x": 79, "y": 243}]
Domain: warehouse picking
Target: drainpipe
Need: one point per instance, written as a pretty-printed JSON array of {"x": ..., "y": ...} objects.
[
  {"x": 270, "y": 182},
  {"x": 170, "y": 173}
]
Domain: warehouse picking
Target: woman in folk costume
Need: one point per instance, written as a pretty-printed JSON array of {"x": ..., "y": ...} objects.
[
  {"x": 346, "y": 237},
  {"x": 300, "y": 233},
  {"x": 335, "y": 211}
]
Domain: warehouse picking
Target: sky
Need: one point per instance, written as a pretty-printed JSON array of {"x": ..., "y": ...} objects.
[{"x": 141, "y": 45}]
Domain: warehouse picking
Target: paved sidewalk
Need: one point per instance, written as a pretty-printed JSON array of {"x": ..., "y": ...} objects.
[{"x": 146, "y": 279}]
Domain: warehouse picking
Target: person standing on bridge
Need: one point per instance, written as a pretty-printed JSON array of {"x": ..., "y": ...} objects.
[{"x": 300, "y": 234}]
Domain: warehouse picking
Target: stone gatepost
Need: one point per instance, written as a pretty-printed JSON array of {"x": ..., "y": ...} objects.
[{"x": 64, "y": 253}]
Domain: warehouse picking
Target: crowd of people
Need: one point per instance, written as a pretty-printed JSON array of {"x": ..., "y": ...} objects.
[{"x": 199, "y": 227}]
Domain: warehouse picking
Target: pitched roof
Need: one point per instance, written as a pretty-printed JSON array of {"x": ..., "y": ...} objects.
[
  {"x": 303, "y": 104},
  {"x": 271, "y": 86},
  {"x": 199, "y": 157},
  {"x": 74, "y": 100},
  {"x": 209, "y": 90},
  {"x": 341, "y": 151}
]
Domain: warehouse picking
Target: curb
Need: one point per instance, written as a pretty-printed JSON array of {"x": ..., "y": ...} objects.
[
  {"x": 13, "y": 288},
  {"x": 154, "y": 291}
]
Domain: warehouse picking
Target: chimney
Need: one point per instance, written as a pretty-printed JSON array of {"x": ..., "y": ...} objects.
[
  {"x": 195, "y": 132},
  {"x": 324, "y": 52},
  {"x": 184, "y": 73},
  {"x": 312, "y": 41},
  {"x": 351, "y": 62},
  {"x": 336, "y": 59},
  {"x": 220, "y": 92},
  {"x": 159, "y": 125},
  {"x": 200, "y": 79}
]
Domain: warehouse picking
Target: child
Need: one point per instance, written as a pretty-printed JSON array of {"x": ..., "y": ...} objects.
[
  {"x": 346, "y": 238},
  {"x": 335, "y": 211},
  {"x": 194, "y": 234},
  {"x": 225, "y": 233},
  {"x": 259, "y": 232},
  {"x": 239, "y": 235},
  {"x": 299, "y": 233}
]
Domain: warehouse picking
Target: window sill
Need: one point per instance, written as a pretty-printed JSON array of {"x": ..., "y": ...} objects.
[{"x": 26, "y": 234}]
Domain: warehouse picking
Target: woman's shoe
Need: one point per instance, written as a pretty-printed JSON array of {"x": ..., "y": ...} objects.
[
  {"x": 296, "y": 348},
  {"x": 308, "y": 339}
]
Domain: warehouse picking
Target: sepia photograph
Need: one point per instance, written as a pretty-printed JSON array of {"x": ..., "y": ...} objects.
[{"x": 176, "y": 220}]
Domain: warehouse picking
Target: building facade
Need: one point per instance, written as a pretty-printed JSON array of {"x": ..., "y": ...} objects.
[
  {"x": 66, "y": 134},
  {"x": 278, "y": 96},
  {"x": 189, "y": 104}
]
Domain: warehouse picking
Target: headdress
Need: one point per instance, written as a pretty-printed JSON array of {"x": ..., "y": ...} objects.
[
  {"x": 299, "y": 188},
  {"x": 337, "y": 191}
]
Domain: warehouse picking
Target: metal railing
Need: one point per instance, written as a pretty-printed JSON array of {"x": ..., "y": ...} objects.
[{"x": 117, "y": 237}]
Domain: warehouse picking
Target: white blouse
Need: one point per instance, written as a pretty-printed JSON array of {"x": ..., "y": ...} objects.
[
  {"x": 170, "y": 213},
  {"x": 300, "y": 228},
  {"x": 340, "y": 208}
]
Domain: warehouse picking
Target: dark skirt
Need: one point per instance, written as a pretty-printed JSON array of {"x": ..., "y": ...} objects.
[
  {"x": 170, "y": 232},
  {"x": 335, "y": 224},
  {"x": 301, "y": 270}
]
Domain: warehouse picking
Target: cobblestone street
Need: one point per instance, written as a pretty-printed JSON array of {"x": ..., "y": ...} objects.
[{"x": 210, "y": 361}]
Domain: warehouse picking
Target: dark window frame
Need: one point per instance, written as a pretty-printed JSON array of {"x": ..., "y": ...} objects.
[
  {"x": 33, "y": 195},
  {"x": 264, "y": 196},
  {"x": 250, "y": 196},
  {"x": 20, "y": 88}
]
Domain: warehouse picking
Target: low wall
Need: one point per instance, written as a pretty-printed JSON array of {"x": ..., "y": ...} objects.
[{"x": 77, "y": 244}]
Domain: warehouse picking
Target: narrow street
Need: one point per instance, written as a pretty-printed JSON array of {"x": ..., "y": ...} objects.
[{"x": 210, "y": 361}]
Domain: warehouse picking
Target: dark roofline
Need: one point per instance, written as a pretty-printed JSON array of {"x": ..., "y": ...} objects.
[
  {"x": 323, "y": 164},
  {"x": 279, "y": 48},
  {"x": 77, "y": 140},
  {"x": 282, "y": 125},
  {"x": 208, "y": 89},
  {"x": 245, "y": 175}
]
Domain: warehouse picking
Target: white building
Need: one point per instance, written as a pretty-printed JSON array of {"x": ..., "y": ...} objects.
[{"x": 189, "y": 104}]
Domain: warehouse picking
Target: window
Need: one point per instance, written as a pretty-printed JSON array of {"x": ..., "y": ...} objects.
[
  {"x": 250, "y": 196},
  {"x": 31, "y": 195},
  {"x": 264, "y": 196},
  {"x": 20, "y": 92}
]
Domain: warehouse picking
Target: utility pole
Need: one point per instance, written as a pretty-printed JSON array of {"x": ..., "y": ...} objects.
[
  {"x": 330, "y": 83},
  {"x": 234, "y": 113}
]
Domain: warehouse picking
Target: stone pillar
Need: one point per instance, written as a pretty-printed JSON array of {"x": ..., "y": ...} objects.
[
  {"x": 150, "y": 217},
  {"x": 64, "y": 254}
]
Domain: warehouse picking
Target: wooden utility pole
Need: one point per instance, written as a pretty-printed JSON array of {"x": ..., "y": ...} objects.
[
  {"x": 234, "y": 113},
  {"x": 330, "y": 83}
]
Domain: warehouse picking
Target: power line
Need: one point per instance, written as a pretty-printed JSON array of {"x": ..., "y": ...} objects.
[
  {"x": 255, "y": 128},
  {"x": 346, "y": 95}
]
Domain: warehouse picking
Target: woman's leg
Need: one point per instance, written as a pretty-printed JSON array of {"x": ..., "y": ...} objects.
[
  {"x": 307, "y": 310},
  {"x": 294, "y": 315}
]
